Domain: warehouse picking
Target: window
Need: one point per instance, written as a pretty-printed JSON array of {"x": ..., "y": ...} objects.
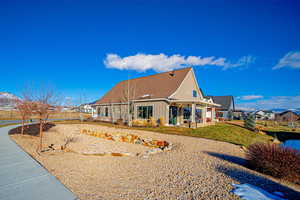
[
  {"x": 145, "y": 112},
  {"x": 106, "y": 111},
  {"x": 187, "y": 113},
  {"x": 194, "y": 93}
]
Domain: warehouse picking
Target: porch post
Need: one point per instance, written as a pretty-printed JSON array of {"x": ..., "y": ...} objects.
[
  {"x": 167, "y": 114},
  {"x": 193, "y": 112},
  {"x": 204, "y": 113}
]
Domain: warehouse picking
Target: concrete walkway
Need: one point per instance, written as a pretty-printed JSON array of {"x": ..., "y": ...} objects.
[{"x": 21, "y": 177}]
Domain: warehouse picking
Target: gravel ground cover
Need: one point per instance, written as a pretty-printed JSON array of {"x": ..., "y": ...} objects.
[{"x": 195, "y": 168}]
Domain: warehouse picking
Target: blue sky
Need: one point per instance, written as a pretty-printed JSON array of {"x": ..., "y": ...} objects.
[{"x": 248, "y": 49}]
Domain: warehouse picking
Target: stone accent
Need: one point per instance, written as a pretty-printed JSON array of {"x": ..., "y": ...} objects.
[{"x": 156, "y": 145}]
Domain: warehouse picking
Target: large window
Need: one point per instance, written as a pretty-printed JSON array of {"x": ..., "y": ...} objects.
[
  {"x": 187, "y": 111},
  {"x": 145, "y": 112}
]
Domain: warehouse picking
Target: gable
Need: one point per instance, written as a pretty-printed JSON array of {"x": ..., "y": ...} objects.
[
  {"x": 226, "y": 102},
  {"x": 188, "y": 85}
]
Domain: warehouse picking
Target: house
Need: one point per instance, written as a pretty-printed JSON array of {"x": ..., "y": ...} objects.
[
  {"x": 225, "y": 112},
  {"x": 239, "y": 114},
  {"x": 86, "y": 108},
  {"x": 171, "y": 97},
  {"x": 287, "y": 116},
  {"x": 264, "y": 115}
]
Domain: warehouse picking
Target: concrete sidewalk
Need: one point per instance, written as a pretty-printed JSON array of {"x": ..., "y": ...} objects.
[{"x": 22, "y": 178}]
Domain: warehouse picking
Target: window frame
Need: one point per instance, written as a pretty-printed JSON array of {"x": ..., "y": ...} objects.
[
  {"x": 145, "y": 112},
  {"x": 195, "y": 93}
]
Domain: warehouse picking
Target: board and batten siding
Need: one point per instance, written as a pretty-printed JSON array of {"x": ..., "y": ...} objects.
[
  {"x": 160, "y": 109},
  {"x": 185, "y": 90},
  {"x": 115, "y": 112}
]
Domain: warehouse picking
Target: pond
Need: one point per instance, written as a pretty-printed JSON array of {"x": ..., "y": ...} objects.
[{"x": 295, "y": 144}]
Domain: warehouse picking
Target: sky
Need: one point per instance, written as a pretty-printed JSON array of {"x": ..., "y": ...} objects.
[{"x": 248, "y": 49}]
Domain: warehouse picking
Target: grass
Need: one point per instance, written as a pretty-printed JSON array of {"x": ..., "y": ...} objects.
[{"x": 220, "y": 132}]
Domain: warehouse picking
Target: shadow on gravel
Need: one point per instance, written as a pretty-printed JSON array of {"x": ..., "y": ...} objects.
[
  {"x": 32, "y": 129},
  {"x": 243, "y": 176},
  {"x": 229, "y": 158}
]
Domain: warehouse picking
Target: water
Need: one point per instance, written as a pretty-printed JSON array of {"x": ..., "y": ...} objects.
[{"x": 295, "y": 144}]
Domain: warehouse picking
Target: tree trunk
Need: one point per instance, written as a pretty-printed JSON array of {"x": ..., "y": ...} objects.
[
  {"x": 22, "y": 130},
  {"x": 41, "y": 135}
]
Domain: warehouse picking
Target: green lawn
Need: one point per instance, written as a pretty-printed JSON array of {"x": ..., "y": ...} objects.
[{"x": 222, "y": 132}]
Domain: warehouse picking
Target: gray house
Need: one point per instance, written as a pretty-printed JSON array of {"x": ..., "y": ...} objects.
[
  {"x": 225, "y": 111},
  {"x": 172, "y": 96}
]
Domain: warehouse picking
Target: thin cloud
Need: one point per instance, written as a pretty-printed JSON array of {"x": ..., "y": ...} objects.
[
  {"x": 251, "y": 97},
  {"x": 284, "y": 102},
  {"x": 291, "y": 60},
  {"x": 162, "y": 62}
]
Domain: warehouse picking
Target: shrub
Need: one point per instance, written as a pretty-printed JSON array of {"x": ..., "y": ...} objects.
[
  {"x": 151, "y": 122},
  {"x": 249, "y": 122},
  {"x": 138, "y": 122},
  {"x": 275, "y": 160},
  {"x": 161, "y": 121},
  {"x": 120, "y": 122}
]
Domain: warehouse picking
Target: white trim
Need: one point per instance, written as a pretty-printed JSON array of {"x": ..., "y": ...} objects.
[
  {"x": 194, "y": 101},
  {"x": 197, "y": 83},
  {"x": 153, "y": 110},
  {"x": 163, "y": 99}
]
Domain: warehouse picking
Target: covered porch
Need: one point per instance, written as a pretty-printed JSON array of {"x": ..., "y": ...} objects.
[{"x": 191, "y": 113}]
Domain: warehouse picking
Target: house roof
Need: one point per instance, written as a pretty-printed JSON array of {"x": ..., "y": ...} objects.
[
  {"x": 224, "y": 101},
  {"x": 161, "y": 85},
  {"x": 287, "y": 111},
  {"x": 265, "y": 111}
]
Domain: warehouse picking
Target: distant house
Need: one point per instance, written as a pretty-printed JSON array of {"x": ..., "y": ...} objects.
[
  {"x": 86, "y": 108},
  {"x": 264, "y": 115},
  {"x": 173, "y": 96},
  {"x": 239, "y": 114},
  {"x": 225, "y": 112},
  {"x": 287, "y": 116}
]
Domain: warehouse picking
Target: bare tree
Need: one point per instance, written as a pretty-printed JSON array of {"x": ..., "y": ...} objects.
[
  {"x": 128, "y": 96},
  {"x": 44, "y": 103},
  {"x": 25, "y": 109}
]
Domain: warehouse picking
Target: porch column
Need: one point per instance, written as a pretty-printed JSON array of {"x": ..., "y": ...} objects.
[
  {"x": 213, "y": 114},
  {"x": 167, "y": 114},
  {"x": 204, "y": 113},
  {"x": 193, "y": 112},
  {"x": 180, "y": 117}
]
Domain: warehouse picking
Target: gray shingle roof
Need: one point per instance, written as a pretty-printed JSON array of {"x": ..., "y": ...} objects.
[{"x": 224, "y": 101}]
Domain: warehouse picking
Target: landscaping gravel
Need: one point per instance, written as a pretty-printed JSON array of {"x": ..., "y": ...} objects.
[{"x": 194, "y": 168}]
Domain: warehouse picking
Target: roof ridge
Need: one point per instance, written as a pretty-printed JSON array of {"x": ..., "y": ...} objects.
[{"x": 186, "y": 68}]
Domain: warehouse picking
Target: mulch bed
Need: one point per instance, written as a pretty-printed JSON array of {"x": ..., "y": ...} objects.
[{"x": 32, "y": 129}]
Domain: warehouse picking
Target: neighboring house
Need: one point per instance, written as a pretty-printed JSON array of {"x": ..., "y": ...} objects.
[
  {"x": 86, "y": 108},
  {"x": 225, "y": 112},
  {"x": 264, "y": 115},
  {"x": 239, "y": 114},
  {"x": 7, "y": 101},
  {"x": 287, "y": 116},
  {"x": 173, "y": 97}
]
